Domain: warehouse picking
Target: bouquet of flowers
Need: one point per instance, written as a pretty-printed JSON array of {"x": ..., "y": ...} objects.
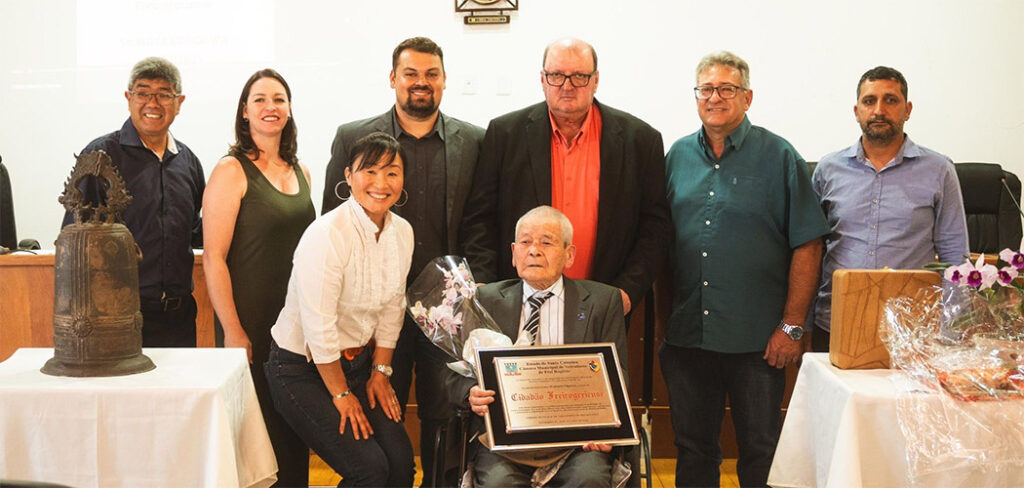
[
  {"x": 442, "y": 301},
  {"x": 963, "y": 340}
]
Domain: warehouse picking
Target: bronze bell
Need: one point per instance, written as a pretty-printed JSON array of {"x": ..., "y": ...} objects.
[{"x": 97, "y": 326}]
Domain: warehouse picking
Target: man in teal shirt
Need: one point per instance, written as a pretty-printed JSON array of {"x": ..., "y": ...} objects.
[{"x": 746, "y": 259}]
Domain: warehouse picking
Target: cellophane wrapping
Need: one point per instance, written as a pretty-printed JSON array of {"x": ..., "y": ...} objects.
[
  {"x": 443, "y": 304},
  {"x": 959, "y": 402}
]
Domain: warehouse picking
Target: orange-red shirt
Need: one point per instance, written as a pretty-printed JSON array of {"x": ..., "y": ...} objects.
[{"x": 575, "y": 187}]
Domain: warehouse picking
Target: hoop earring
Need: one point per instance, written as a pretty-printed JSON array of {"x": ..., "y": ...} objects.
[
  {"x": 404, "y": 194},
  {"x": 338, "y": 184}
]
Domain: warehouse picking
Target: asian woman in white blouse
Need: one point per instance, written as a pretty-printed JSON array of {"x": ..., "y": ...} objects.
[{"x": 330, "y": 365}]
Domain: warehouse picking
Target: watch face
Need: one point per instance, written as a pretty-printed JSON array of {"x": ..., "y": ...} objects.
[{"x": 794, "y": 332}]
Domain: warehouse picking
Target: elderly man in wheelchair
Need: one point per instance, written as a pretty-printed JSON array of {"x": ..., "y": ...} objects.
[{"x": 554, "y": 310}]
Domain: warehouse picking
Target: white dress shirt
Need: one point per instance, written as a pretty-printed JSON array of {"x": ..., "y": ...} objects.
[
  {"x": 552, "y": 314},
  {"x": 346, "y": 285}
]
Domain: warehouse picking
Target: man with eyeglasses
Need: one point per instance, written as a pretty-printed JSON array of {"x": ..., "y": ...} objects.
[
  {"x": 166, "y": 182},
  {"x": 745, "y": 266},
  {"x": 441, "y": 152},
  {"x": 888, "y": 201},
  {"x": 602, "y": 167}
]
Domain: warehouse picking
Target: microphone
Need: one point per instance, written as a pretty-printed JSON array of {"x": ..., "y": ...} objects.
[{"x": 1010, "y": 193}]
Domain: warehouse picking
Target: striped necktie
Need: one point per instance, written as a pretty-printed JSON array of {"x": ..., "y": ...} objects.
[{"x": 533, "y": 322}]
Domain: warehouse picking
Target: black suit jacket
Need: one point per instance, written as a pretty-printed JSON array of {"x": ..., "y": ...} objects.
[
  {"x": 513, "y": 176},
  {"x": 462, "y": 146},
  {"x": 593, "y": 313}
]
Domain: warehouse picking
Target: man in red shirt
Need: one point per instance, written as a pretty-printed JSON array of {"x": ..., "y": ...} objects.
[{"x": 603, "y": 168}]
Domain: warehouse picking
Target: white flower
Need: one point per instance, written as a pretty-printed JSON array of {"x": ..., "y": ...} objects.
[{"x": 418, "y": 311}]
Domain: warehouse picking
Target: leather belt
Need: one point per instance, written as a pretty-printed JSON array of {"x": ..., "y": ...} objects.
[
  {"x": 351, "y": 353},
  {"x": 165, "y": 304}
]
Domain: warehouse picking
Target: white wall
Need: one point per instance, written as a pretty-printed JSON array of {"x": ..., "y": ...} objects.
[{"x": 64, "y": 66}]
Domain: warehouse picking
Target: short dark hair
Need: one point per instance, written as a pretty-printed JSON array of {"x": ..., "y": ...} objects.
[
  {"x": 154, "y": 68},
  {"x": 244, "y": 145},
  {"x": 593, "y": 52},
  {"x": 883, "y": 73},
  {"x": 420, "y": 45},
  {"x": 373, "y": 149}
]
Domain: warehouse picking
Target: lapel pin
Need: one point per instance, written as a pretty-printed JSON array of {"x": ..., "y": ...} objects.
[{"x": 580, "y": 316}]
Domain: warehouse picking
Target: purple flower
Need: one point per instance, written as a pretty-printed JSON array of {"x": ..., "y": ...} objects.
[
  {"x": 1014, "y": 258},
  {"x": 978, "y": 275},
  {"x": 953, "y": 274},
  {"x": 1007, "y": 274}
]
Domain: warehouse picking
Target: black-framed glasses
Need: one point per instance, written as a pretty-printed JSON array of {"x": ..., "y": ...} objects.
[
  {"x": 705, "y": 92},
  {"x": 579, "y": 80},
  {"x": 145, "y": 97}
]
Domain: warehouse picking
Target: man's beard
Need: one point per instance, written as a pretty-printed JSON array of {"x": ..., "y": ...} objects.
[
  {"x": 880, "y": 135},
  {"x": 422, "y": 109}
]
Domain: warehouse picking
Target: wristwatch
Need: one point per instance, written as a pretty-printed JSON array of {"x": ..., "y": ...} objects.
[
  {"x": 794, "y": 332},
  {"x": 383, "y": 369}
]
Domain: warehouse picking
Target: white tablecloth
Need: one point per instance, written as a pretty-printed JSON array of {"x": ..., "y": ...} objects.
[
  {"x": 842, "y": 430},
  {"x": 194, "y": 421}
]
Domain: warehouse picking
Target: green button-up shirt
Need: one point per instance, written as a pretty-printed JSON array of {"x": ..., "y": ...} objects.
[{"x": 737, "y": 220}]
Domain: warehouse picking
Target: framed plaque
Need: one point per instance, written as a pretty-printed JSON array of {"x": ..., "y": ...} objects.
[{"x": 555, "y": 396}]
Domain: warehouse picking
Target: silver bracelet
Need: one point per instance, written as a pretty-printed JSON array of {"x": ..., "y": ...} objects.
[{"x": 342, "y": 394}]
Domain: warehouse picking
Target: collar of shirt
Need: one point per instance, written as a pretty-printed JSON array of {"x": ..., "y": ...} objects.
[
  {"x": 437, "y": 129},
  {"x": 907, "y": 150},
  {"x": 130, "y": 137},
  {"x": 552, "y": 314},
  {"x": 734, "y": 139},
  {"x": 557, "y": 289},
  {"x": 367, "y": 228},
  {"x": 586, "y": 128}
]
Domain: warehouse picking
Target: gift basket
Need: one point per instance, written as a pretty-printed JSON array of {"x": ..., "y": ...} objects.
[
  {"x": 442, "y": 301},
  {"x": 962, "y": 340}
]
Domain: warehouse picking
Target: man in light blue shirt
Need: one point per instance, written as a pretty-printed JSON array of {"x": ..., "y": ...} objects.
[{"x": 889, "y": 202}]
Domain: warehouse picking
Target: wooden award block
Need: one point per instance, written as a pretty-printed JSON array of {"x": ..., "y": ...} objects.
[{"x": 858, "y": 301}]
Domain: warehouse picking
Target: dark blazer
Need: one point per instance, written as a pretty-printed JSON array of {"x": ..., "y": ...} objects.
[
  {"x": 514, "y": 176},
  {"x": 593, "y": 313},
  {"x": 462, "y": 146}
]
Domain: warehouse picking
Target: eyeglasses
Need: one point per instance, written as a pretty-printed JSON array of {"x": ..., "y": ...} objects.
[
  {"x": 579, "y": 80},
  {"x": 145, "y": 97},
  {"x": 705, "y": 92}
]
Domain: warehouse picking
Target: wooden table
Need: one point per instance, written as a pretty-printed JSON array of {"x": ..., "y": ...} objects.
[{"x": 26, "y": 302}]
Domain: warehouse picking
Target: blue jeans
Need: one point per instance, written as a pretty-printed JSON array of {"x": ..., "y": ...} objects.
[
  {"x": 582, "y": 469},
  {"x": 385, "y": 459},
  {"x": 699, "y": 382}
]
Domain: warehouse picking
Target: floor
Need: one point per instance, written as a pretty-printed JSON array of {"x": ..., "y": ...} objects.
[{"x": 664, "y": 473}]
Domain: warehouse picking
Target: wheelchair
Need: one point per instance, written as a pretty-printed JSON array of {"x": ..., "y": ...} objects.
[{"x": 452, "y": 444}]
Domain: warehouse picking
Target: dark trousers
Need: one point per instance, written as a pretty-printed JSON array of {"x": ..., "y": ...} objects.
[
  {"x": 415, "y": 350},
  {"x": 385, "y": 459},
  {"x": 699, "y": 382},
  {"x": 174, "y": 327},
  {"x": 289, "y": 449},
  {"x": 820, "y": 339}
]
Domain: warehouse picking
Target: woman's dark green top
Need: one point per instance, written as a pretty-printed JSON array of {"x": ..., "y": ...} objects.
[{"x": 267, "y": 229}]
